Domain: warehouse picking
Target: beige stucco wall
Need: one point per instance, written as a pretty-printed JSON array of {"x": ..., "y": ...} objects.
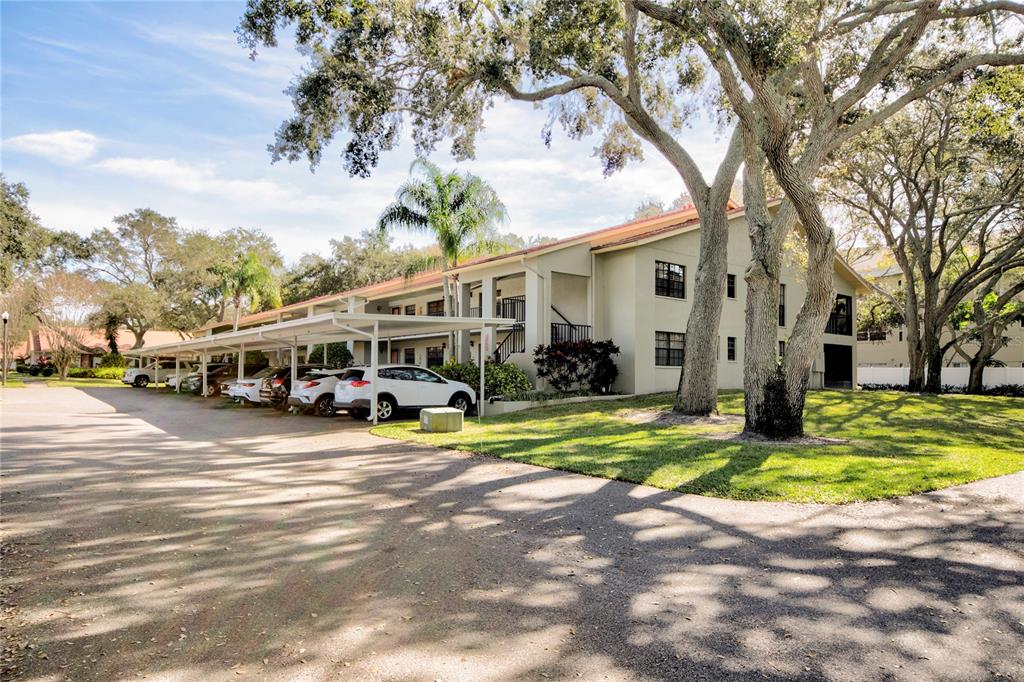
[
  {"x": 892, "y": 352},
  {"x": 631, "y": 313}
]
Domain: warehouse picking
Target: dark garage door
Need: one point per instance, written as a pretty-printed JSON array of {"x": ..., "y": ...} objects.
[{"x": 838, "y": 366}]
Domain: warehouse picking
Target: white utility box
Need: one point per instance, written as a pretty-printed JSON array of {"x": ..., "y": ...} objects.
[{"x": 440, "y": 419}]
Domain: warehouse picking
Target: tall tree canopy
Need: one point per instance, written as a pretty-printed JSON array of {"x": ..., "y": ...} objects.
[
  {"x": 793, "y": 81},
  {"x": 942, "y": 185}
]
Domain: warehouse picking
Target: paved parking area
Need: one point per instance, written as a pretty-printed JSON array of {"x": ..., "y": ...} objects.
[{"x": 173, "y": 538}]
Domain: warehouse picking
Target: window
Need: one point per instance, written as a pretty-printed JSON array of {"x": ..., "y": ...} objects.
[
  {"x": 668, "y": 349},
  {"x": 396, "y": 310},
  {"x": 410, "y": 356},
  {"x": 435, "y": 308},
  {"x": 423, "y": 375},
  {"x": 782, "y": 305},
  {"x": 901, "y": 335},
  {"x": 435, "y": 356},
  {"x": 730, "y": 286},
  {"x": 669, "y": 279},
  {"x": 730, "y": 348},
  {"x": 841, "y": 319},
  {"x": 410, "y": 309},
  {"x": 782, "y": 349}
]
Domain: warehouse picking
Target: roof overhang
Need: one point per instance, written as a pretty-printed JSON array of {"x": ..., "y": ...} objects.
[{"x": 323, "y": 328}]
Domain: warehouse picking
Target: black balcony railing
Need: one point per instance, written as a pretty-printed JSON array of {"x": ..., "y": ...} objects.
[
  {"x": 561, "y": 331},
  {"x": 512, "y": 307}
]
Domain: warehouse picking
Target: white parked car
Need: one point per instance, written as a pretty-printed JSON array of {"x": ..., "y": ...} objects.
[
  {"x": 315, "y": 390},
  {"x": 399, "y": 387},
  {"x": 247, "y": 389},
  {"x": 153, "y": 373}
]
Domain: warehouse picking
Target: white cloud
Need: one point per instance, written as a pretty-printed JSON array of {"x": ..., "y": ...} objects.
[
  {"x": 169, "y": 172},
  {"x": 59, "y": 146}
]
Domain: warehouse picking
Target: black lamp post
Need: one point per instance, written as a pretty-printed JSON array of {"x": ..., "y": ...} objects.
[{"x": 5, "y": 317}]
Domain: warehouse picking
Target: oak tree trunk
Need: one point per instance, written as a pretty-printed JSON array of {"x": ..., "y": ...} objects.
[
  {"x": 976, "y": 377},
  {"x": 697, "y": 393}
]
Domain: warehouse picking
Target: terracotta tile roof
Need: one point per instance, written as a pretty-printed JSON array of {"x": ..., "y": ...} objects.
[
  {"x": 91, "y": 338},
  {"x": 630, "y": 230}
]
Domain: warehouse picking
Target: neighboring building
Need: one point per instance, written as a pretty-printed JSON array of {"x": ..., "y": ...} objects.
[
  {"x": 632, "y": 283},
  {"x": 888, "y": 347},
  {"x": 94, "y": 344}
]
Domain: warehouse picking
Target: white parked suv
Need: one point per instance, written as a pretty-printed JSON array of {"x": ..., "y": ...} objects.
[
  {"x": 247, "y": 389},
  {"x": 399, "y": 387},
  {"x": 315, "y": 389},
  {"x": 153, "y": 373}
]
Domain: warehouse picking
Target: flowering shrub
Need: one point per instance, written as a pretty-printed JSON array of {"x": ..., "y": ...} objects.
[{"x": 568, "y": 365}]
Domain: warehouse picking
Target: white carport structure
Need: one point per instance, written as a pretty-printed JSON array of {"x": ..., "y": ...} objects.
[{"x": 323, "y": 329}]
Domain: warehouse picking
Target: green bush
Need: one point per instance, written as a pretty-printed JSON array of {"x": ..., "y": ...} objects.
[
  {"x": 338, "y": 355},
  {"x": 499, "y": 379},
  {"x": 95, "y": 372},
  {"x": 113, "y": 360}
]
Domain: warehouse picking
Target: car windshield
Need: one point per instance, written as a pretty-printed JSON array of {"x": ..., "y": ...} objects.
[
  {"x": 313, "y": 376},
  {"x": 265, "y": 372},
  {"x": 352, "y": 375}
]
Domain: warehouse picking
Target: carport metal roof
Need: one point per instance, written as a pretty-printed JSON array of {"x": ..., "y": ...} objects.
[{"x": 326, "y": 328}]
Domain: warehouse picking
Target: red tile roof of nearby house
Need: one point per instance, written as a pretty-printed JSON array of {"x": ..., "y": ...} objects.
[{"x": 90, "y": 338}]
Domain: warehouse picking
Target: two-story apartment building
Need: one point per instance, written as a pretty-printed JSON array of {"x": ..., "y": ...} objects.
[
  {"x": 632, "y": 283},
  {"x": 888, "y": 348}
]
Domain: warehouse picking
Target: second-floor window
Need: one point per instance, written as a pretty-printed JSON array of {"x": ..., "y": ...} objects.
[
  {"x": 841, "y": 319},
  {"x": 669, "y": 279},
  {"x": 730, "y": 286},
  {"x": 668, "y": 349},
  {"x": 396, "y": 310},
  {"x": 782, "y": 305},
  {"x": 410, "y": 309},
  {"x": 435, "y": 308}
]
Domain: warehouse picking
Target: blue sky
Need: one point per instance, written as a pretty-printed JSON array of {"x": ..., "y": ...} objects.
[{"x": 112, "y": 106}]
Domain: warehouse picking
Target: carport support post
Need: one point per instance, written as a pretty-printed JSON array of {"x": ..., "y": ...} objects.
[
  {"x": 373, "y": 372},
  {"x": 295, "y": 363},
  {"x": 177, "y": 386},
  {"x": 203, "y": 370},
  {"x": 241, "y": 360},
  {"x": 481, "y": 396}
]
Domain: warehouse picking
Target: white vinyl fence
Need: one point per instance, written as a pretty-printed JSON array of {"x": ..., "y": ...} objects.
[{"x": 951, "y": 376}]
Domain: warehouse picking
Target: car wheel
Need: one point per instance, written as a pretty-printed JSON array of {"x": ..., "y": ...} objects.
[
  {"x": 141, "y": 382},
  {"x": 385, "y": 409},
  {"x": 325, "y": 406},
  {"x": 212, "y": 390},
  {"x": 460, "y": 401}
]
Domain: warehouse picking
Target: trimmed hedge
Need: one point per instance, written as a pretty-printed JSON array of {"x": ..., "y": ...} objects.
[
  {"x": 95, "y": 372},
  {"x": 499, "y": 379}
]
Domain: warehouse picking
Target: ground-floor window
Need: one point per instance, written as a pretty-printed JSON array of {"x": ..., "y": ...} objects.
[
  {"x": 668, "y": 349},
  {"x": 782, "y": 349},
  {"x": 410, "y": 356},
  {"x": 730, "y": 348},
  {"x": 435, "y": 356}
]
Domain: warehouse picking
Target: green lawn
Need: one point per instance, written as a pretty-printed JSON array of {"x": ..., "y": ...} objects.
[
  {"x": 898, "y": 444},
  {"x": 57, "y": 382}
]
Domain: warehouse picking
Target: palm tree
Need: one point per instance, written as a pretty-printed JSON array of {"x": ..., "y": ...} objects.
[
  {"x": 460, "y": 211},
  {"x": 249, "y": 279}
]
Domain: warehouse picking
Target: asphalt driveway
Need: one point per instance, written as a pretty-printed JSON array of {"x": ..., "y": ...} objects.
[{"x": 174, "y": 538}]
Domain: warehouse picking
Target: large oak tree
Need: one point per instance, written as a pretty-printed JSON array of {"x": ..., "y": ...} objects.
[{"x": 793, "y": 81}]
